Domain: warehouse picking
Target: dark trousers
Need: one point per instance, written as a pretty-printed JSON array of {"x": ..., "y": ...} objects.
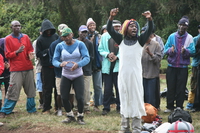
[
  {"x": 48, "y": 82},
  {"x": 150, "y": 90},
  {"x": 176, "y": 85},
  {"x": 157, "y": 93},
  {"x": 65, "y": 87},
  {"x": 6, "y": 83},
  {"x": 109, "y": 81}
]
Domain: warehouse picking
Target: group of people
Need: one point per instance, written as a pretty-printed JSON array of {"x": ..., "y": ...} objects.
[{"x": 123, "y": 56}]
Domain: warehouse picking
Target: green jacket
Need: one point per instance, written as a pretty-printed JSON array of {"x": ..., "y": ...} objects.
[{"x": 104, "y": 51}]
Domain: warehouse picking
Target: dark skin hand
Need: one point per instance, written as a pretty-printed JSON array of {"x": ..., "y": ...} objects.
[
  {"x": 114, "y": 12},
  {"x": 21, "y": 49}
]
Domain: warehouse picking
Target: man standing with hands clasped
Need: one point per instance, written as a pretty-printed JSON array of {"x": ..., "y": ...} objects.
[
  {"x": 19, "y": 52},
  {"x": 179, "y": 48}
]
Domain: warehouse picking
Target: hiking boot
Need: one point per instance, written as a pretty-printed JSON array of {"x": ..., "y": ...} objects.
[
  {"x": 69, "y": 119},
  {"x": 59, "y": 112},
  {"x": 80, "y": 120},
  {"x": 168, "y": 111},
  {"x": 105, "y": 112},
  {"x": 2, "y": 115}
]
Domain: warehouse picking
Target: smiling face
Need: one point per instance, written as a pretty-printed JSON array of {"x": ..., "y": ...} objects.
[
  {"x": 92, "y": 27},
  {"x": 132, "y": 29}
]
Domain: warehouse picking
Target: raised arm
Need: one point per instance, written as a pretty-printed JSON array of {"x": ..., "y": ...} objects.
[
  {"x": 115, "y": 35},
  {"x": 145, "y": 36}
]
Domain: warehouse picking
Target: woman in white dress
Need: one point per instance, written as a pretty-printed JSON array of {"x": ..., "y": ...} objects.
[{"x": 130, "y": 69}]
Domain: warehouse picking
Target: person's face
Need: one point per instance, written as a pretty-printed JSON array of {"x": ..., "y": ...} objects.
[
  {"x": 48, "y": 32},
  {"x": 199, "y": 31},
  {"x": 16, "y": 27},
  {"x": 182, "y": 28},
  {"x": 117, "y": 28},
  {"x": 82, "y": 34},
  {"x": 68, "y": 39},
  {"x": 132, "y": 30},
  {"x": 92, "y": 27},
  {"x": 104, "y": 30}
]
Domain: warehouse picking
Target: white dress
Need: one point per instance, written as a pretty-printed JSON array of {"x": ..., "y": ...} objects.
[{"x": 130, "y": 81}]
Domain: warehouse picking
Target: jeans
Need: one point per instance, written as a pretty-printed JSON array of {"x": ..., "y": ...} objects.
[{"x": 97, "y": 85}]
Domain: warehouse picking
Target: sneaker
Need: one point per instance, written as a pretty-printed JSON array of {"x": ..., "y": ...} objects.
[
  {"x": 105, "y": 112},
  {"x": 40, "y": 106},
  {"x": 96, "y": 109},
  {"x": 80, "y": 120},
  {"x": 69, "y": 119},
  {"x": 59, "y": 112},
  {"x": 2, "y": 115},
  {"x": 1, "y": 124},
  {"x": 168, "y": 111},
  {"x": 189, "y": 106}
]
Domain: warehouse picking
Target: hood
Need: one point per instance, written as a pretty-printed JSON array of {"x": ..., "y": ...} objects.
[{"x": 46, "y": 25}]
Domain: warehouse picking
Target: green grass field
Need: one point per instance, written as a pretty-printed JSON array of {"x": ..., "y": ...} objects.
[{"x": 22, "y": 122}]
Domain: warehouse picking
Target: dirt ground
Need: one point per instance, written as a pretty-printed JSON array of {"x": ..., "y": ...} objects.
[{"x": 45, "y": 129}]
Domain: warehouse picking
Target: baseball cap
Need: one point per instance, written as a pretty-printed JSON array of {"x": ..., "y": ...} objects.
[
  {"x": 61, "y": 27},
  {"x": 83, "y": 28},
  {"x": 66, "y": 31}
]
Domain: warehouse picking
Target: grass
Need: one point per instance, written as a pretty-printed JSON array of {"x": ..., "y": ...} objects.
[{"x": 22, "y": 122}]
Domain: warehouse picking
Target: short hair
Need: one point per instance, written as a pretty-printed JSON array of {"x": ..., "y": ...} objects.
[{"x": 14, "y": 21}]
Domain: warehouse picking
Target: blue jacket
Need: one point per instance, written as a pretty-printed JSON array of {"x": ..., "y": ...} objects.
[
  {"x": 57, "y": 70},
  {"x": 176, "y": 58},
  {"x": 196, "y": 57}
]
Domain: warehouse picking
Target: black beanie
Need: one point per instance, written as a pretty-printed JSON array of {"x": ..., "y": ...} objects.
[{"x": 184, "y": 20}]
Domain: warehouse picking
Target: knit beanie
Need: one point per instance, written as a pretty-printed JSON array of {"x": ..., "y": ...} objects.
[
  {"x": 90, "y": 21},
  {"x": 116, "y": 23},
  {"x": 184, "y": 20}
]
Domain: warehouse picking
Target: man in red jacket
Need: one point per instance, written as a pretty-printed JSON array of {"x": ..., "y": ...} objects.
[{"x": 19, "y": 52}]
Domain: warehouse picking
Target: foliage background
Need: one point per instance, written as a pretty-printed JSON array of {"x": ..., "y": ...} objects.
[{"x": 31, "y": 13}]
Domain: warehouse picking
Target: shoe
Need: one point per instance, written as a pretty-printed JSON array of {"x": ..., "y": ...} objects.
[
  {"x": 59, "y": 112},
  {"x": 80, "y": 120},
  {"x": 40, "y": 106},
  {"x": 1, "y": 124},
  {"x": 168, "y": 111},
  {"x": 69, "y": 119},
  {"x": 87, "y": 112},
  {"x": 105, "y": 112},
  {"x": 96, "y": 109},
  {"x": 47, "y": 112},
  {"x": 2, "y": 115},
  {"x": 33, "y": 113},
  {"x": 189, "y": 106}
]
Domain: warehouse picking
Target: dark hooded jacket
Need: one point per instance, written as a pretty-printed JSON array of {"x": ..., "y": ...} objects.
[{"x": 44, "y": 42}]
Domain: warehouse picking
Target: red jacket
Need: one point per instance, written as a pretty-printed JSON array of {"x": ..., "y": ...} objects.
[
  {"x": 20, "y": 61},
  {"x": 1, "y": 64}
]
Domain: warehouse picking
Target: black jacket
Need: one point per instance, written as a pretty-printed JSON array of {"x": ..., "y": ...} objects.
[{"x": 44, "y": 42}]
